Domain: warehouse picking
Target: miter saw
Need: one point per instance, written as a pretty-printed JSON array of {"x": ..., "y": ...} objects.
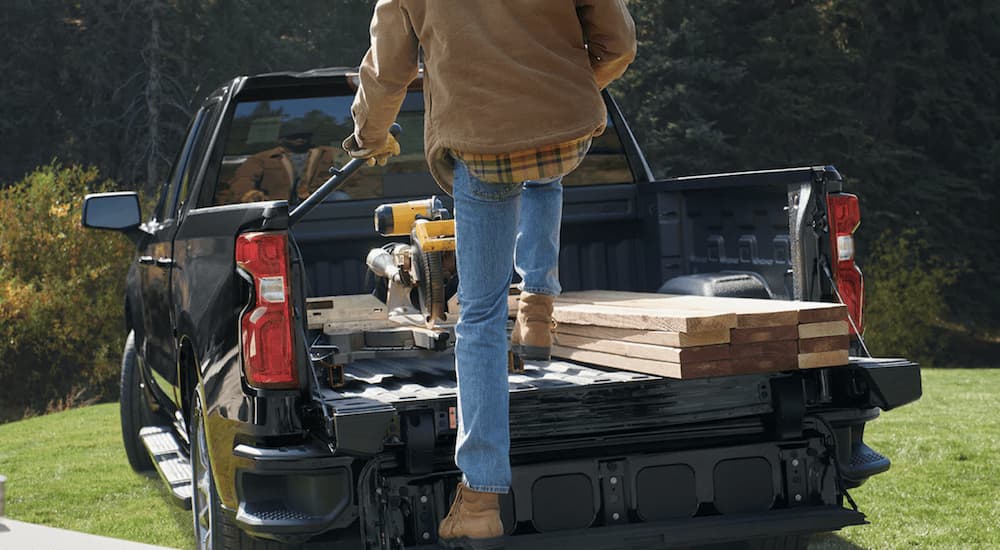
[{"x": 421, "y": 275}]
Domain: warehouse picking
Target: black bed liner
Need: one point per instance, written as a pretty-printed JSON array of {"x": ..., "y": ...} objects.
[{"x": 560, "y": 399}]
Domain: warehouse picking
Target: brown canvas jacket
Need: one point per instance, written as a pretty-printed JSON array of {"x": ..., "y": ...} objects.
[{"x": 499, "y": 76}]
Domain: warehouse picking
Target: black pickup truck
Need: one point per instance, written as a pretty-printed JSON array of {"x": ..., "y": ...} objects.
[{"x": 227, "y": 390}]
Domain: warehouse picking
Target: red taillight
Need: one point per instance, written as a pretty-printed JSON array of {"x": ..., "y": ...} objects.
[
  {"x": 266, "y": 328},
  {"x": 844, "y": 218}
]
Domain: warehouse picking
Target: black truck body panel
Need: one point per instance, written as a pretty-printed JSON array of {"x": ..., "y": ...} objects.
[{"x": 647, "y": 462}]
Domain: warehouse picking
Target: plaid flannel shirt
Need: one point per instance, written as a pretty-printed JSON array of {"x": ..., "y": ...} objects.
[{"x": 540, "y": 163}]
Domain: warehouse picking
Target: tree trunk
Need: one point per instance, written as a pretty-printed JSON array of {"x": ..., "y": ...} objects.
[{"x": 154, "y": 94}]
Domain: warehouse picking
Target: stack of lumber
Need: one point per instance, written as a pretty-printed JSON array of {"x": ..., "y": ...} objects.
[{"x": 698, "y": 336}]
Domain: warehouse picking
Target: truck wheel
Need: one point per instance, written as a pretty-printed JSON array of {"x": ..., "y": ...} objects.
[
  {"x": 205, "y": 507},
  {"x": 133, "y": 409},
  {"x": 213, "y": 528}
]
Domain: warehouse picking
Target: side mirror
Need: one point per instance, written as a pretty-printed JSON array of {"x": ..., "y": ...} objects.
[{"x": 115, "y": 211}]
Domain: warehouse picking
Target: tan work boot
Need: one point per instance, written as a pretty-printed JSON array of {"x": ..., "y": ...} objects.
[
  {"x": 532, "y": 334},
  {"x": 473, "y": 522}
]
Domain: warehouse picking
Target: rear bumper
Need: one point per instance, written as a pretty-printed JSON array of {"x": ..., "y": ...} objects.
[
  {"x": 293, "y": 493},
  {"x": 887, "y": 383},
  {"x": 296, "y": 492},
  {"x": 697, "y": 531}
]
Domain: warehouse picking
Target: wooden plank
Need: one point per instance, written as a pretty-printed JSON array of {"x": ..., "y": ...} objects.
[
  {"x": 820, "y": 312},
  {"x": 757, "y": 312},
  {"x": 778, "y": 347},
  {"x": 749, "y": 312},
  {"x": 646, "y": 366},
  {"x": 826, "y": 343},
  {"x": 764, "y": 334},
  {"x": 703, "y": 369},
  {"x": 645, "y": 351},
  {"x": 823, "y": 359},
  {"x": 625, "y": 317},
  {"x": 654, "y": 337},
  {"x": 819, "y": 330}
]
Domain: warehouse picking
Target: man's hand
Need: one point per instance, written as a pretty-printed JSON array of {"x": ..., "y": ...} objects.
[{"x": 378, "y": 156}]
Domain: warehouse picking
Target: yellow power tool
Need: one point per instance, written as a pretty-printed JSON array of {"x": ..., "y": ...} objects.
[{"x": 427, "y": 263}]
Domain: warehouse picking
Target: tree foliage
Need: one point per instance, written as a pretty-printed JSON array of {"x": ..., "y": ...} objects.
[
  {"x": 61, "y": 292},
  {"x": 112, "y": 83},
  {"x": 902, "y": 266},
  {"x": 902, "y": 96}
]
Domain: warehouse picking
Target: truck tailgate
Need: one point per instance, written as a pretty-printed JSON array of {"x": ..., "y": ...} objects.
[{"x": 568, "y": 401}]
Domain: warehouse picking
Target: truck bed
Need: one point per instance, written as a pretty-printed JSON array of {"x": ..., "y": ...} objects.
[{"x": 559, "y": 399}]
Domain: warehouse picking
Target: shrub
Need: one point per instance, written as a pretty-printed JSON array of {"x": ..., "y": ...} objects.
[
  {"x": 906, "y": 297},
  {"x": 61, "y": 294}
]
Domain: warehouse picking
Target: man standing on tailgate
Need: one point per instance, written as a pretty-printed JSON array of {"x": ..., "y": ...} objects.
[{"x": 512, "y": 94}]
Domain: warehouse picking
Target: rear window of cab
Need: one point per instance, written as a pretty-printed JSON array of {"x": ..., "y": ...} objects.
[{"x": 275, "y": 146}]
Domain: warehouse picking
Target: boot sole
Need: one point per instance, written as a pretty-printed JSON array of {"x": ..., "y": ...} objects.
[
  {"x": 465, "y": 543},
  {"x": 535, "y": 353}
]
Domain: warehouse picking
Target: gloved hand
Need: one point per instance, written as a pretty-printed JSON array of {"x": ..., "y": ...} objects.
[{"x": 378, "y": 156}]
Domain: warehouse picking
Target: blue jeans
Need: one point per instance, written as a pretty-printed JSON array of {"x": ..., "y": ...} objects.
[{"x": 495, "y": 225}]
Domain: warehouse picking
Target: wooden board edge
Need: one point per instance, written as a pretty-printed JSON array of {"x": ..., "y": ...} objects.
[
  {"x": 824, "y": 359},
  {"x": 819, "y": 330}
]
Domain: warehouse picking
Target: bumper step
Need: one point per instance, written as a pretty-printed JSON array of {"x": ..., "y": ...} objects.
[
  {"x": 864, "y": 463},
  {"x": 170, "y": 461}
]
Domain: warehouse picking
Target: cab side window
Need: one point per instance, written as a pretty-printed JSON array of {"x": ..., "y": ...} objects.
[
  {"x": 165, "y": 207},
  {"x": 202, "y": 138}
]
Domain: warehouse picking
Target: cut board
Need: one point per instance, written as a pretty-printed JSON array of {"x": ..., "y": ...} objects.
[
  {"x": 777, "y": 347},
  {"x": 825, "y": 343},
  {"x": 820, "y": 330},
  {"x": 750, "y": 312},
  {"x": 716, "y": 352},
  {"x": 661, "y": 319},
  {"x": 686, "y": 370},
  {"x": 654, "y": 337},
  {"x": 823, "y": 359},
  {"x": 819, "y": 312},
  {"x": 764, "y": 334},
  {"x": 669, "y": 335}
]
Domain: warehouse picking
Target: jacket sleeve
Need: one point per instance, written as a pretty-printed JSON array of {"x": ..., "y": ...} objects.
[
  {"x": 386, "y": 71},
  {"x": 610, "y": 34}
]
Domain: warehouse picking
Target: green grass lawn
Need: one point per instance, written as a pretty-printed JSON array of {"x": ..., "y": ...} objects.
[{"x": 69, "y": 470}]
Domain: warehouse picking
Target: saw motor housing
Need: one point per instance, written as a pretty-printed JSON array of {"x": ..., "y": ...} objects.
[{"x": 418, "y": 273}]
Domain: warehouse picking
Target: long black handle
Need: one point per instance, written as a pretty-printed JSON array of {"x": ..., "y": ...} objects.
[{"x": 339, "y": 177}]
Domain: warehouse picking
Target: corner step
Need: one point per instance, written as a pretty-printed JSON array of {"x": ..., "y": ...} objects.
[
  {"x": 864, "y": 463},
  {"x": 171, "y": 463}
]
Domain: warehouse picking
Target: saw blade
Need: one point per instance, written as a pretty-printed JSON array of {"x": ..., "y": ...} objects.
[{"x": 431, "y": 287}]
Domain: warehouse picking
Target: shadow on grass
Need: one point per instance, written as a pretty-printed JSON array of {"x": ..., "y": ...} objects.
[
  {"x": 830, "y": 541},
  {"x": 178, "y": 514}
]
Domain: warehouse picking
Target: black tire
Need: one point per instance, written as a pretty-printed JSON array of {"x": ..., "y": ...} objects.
[
  {"x": 133, "y": 409},
  {"x": 214, "y": 529}
]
